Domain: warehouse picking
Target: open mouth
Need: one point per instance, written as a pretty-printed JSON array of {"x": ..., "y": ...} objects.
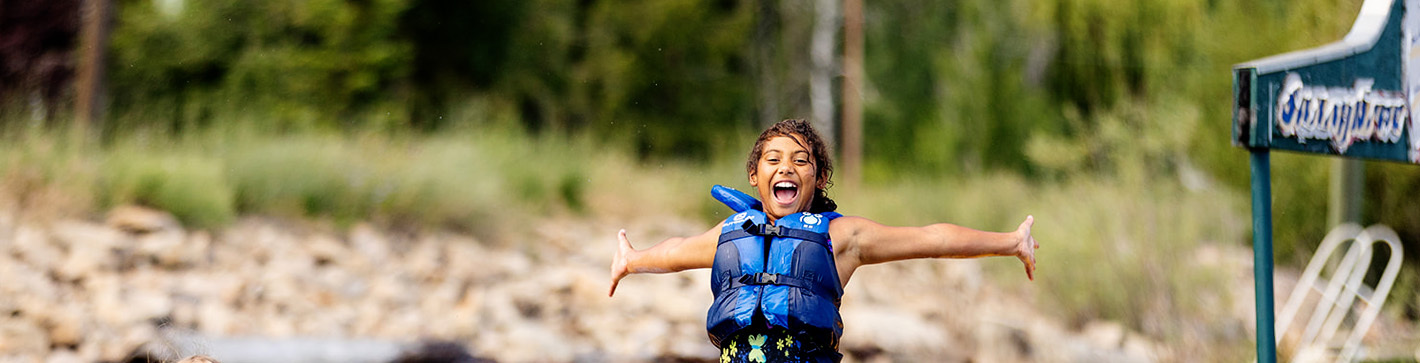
[{"x": 785, "y": 192}]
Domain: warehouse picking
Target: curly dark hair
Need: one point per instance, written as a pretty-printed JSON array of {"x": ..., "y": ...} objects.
[{"x": 818, "y": 150}]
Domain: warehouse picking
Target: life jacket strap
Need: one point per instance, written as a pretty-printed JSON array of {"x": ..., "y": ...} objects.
[
  {"x": 734, "y": 235},
  {"x": 769, "y": 279},
  {"x": 770, "y": 230}
]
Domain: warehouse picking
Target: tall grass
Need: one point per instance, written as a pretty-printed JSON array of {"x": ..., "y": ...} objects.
[
  {"x": 478, "y": 180},
  {"x": 462, "y": 180}
]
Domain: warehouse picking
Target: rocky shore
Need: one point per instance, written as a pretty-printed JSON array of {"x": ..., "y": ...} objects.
[{"x": 86, "y": 291}]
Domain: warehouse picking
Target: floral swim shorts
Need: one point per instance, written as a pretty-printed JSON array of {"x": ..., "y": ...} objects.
[{"x": 760, "y": 345}]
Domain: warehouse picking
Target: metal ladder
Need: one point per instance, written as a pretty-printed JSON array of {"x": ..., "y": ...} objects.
[{"x": 1339, "y": 293}]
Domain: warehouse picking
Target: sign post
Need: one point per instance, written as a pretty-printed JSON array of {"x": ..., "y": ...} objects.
[
  {"x": 1262, "y": 253},
  {"x": 1354, "y": 98}
]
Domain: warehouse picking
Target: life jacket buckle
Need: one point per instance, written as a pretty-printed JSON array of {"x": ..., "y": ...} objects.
[
  {"x": 772, "y": 230},
  {"x": 767, "y": 230},
  {"x": 761, "y": 278}
]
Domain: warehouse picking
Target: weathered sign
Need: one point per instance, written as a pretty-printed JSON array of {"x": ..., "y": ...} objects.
[{"x": 1353, "y": 98}]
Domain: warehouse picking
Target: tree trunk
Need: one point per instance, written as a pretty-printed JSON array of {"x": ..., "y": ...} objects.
[
  {"x": 89, "y": 105},
  {"x": 824, "y": 47},
  {"x": 766, "y": 37},
  {"x": 852, "y": 86}
]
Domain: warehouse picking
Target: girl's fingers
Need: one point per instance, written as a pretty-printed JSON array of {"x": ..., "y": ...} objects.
[{"x": 618, "y": 261}]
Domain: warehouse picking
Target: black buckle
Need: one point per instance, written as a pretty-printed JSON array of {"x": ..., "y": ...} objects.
[
  {"x": 760, "y": 279},
  {"x": 767, "y": 230}
]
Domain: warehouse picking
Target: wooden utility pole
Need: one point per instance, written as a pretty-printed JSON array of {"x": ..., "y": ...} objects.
[
  {"x": 823, "y": 51},
  {"x": 852, "y": 95},
  {"x": 89, "y": 89},
  {"x": 1348, "y": 177}
]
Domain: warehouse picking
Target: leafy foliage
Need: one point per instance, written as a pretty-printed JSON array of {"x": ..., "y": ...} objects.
[{"x": 294, "y": 65}]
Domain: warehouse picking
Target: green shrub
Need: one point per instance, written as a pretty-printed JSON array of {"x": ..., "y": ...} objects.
[{"x": 193, "y": 188}]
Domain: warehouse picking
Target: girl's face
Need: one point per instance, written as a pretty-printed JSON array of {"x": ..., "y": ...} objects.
[{"x": 785, "y": 177}]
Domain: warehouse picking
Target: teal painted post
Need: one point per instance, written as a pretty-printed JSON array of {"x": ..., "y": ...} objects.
[{"x": 1262, "y": 254}]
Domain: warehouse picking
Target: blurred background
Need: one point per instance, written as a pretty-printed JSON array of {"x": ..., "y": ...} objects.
[{"x": 181, "y": 177}]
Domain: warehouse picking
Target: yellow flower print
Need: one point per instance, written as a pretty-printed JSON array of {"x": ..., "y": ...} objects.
[
  {"x": 728, "y": 353},
  {"x": 785, "y": 342}
]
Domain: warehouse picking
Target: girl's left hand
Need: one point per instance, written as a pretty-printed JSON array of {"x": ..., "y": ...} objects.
[
  {"x": 1025, "y": 249},
  {"x": 619, "y": 267}
]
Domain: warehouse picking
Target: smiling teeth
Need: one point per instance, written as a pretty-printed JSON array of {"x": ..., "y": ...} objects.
[{"x": 784, "y": 184}]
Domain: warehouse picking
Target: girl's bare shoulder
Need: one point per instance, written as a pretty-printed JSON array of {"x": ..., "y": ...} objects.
[{"x": 848, "y": 226}]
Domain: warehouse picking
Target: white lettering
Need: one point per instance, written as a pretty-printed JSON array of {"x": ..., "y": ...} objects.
[{"x": 1342, "y": 115}]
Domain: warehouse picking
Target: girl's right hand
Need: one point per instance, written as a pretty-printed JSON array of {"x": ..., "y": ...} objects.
[
  {"x": 1025, "y": 249},
  {"x": 618, "y": 262}
]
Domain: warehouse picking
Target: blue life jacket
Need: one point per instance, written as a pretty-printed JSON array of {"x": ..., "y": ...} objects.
[{"x": 784, "y": 272}]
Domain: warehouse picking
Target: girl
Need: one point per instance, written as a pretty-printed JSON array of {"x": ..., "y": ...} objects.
[{"x": 778, "y": 276}]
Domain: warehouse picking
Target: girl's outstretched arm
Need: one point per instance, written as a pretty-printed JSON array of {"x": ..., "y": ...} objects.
[
  {"x": 672, "y": 255},
  {"x": 867, "y": 242}
]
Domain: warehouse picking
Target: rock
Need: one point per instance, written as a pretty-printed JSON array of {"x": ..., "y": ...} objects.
[
  {"x": 33, "y": 247},
  {"x": 223, "y": 287},
  {"x": 145, "y": 305},
  {"x": 1104, "y": 334},
  {"x": 105, "y": 298},
  {"x": 327, "y": 250},
  {"x": 26, "y": 289},
  {"x": 216, "y": 319},
  {"x": 91, "y": 248},
  {"x": 7, "y": 223},
  {"x": 86, "y": 261},
  {"x": 466, "y": 258},
  {"x": 132, "y": 337},
  {"x": 1140, "y": 349},
  {"x": 392, "y": 288},
  {"x": 22, "y": 336},
  {"x": 999, "y": 340},
  {"x": 66, "y": 325},
  {"x": 463, "y": 318},
  {"x": 343, "y": 282},
  {"x": 895, "y": 331},
  {"x": 425, "y": 260},
  {"x": 269, "y": 349},
  {"x": 535, "y": 342},
  {"x": 65, "y": 356},
  {"x": 141, "y": 220},
  {"x": 369, "y": 317},
  {"x": 440, "y": 297},
  {"x": 169, "y": 248},
  {"x": 369, "y": 243},
  {"x": 198, "y": 248},
  {"x": 689, "y": 342}
]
